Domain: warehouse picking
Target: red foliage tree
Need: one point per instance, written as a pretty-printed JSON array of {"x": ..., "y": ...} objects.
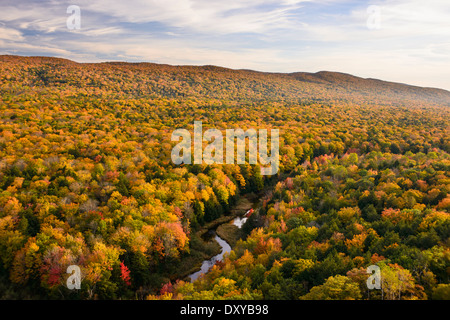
[{"x": 125, "y": 274}]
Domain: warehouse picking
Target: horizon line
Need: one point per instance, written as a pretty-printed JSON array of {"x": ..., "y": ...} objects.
[{"x": 227, "y": 68}]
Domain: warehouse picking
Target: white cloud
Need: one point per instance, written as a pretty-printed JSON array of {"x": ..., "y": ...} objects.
[
  {"x": 10, "y": 34},
  {"x": 268, "y": 35},
  {"x": 203, "y": 16},
  {"x": 42, "y": 18},
  {"x": 42, "y": 49},
  {"x": 94, "y": 32},
  {"x": 411, "y": 17}
]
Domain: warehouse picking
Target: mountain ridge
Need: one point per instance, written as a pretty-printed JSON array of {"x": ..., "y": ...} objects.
[{"x": 318, "y": 85}]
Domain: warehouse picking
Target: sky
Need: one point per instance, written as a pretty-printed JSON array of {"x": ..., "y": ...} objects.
[{"x": 405, "y": 41}]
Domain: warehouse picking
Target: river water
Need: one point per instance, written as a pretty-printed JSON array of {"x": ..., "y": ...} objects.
[
  {"x": 239, "y": 221},
  {"x": 226, "y": 248},
  {"x": 208, "y": 264}
]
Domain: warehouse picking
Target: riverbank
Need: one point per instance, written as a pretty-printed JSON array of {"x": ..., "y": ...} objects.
[
  {"x": 230, "y": 233},
  {"x": 243, "y": 205},
  {"x": 201, "y": 250}
]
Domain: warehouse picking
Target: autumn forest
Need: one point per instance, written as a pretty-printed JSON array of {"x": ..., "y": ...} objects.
[{"x": 86, "y": 179}]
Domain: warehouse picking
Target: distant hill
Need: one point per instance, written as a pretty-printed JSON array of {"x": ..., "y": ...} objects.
[
  {"x": 374, "y": 86},
  {"x": 149, "y": 79},
  {"x": 88, "y": 178}
]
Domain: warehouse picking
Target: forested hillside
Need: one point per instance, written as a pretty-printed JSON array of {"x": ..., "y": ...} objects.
[{"x": 86, "y": 178}]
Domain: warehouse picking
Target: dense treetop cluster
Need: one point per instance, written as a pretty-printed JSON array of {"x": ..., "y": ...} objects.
[{"x": 86, "y": 178}]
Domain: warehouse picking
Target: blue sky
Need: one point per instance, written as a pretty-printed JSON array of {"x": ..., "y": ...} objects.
[{"x": 396, "y": 40}]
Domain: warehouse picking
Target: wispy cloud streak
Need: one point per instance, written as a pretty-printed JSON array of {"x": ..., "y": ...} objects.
[{"x": 269, "y": 35}]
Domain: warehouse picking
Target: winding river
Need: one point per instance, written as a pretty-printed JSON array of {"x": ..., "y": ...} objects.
[{"x": 226, "y": 248}]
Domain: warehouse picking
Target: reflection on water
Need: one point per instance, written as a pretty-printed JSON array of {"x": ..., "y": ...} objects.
[
  {"x": 207, "y": 264},
  {"x": 239, "y": 221}
]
